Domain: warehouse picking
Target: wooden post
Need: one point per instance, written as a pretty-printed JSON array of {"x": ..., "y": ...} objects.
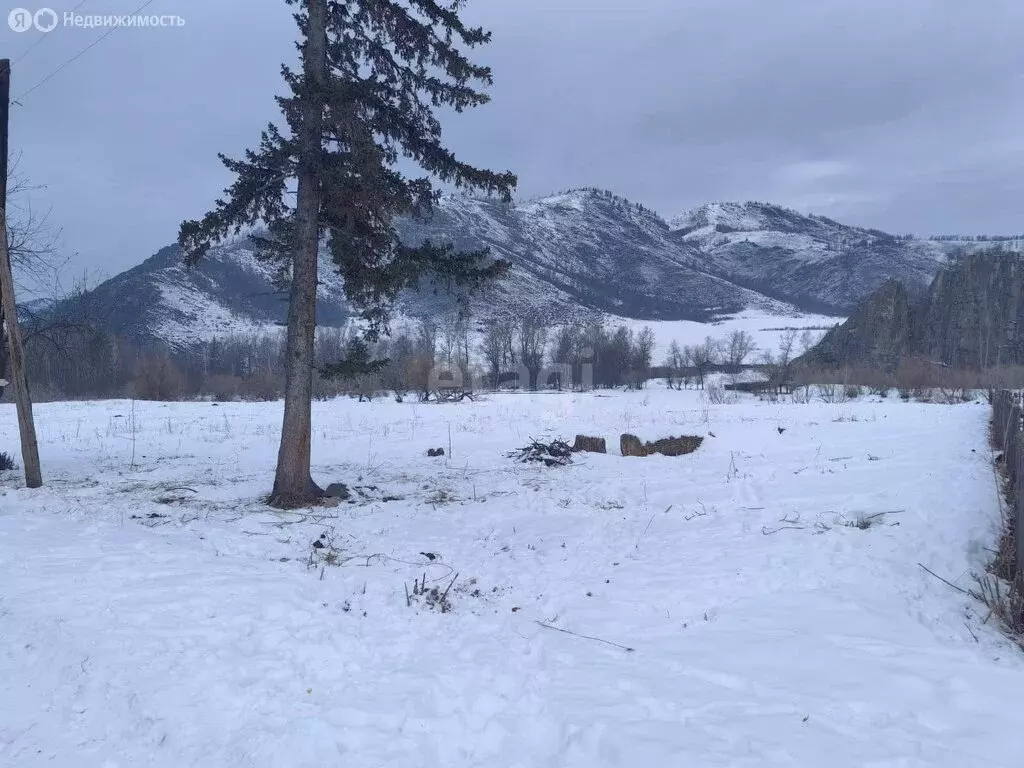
[{"x": 26, "y": 424}]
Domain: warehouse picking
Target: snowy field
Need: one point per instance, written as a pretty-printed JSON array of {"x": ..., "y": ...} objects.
[
  {"x": 153, "y": 613},
  {"x": 767, "y": 330}
]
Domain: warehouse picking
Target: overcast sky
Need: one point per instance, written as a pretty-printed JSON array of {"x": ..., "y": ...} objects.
[{"x": 906, "y": 115}]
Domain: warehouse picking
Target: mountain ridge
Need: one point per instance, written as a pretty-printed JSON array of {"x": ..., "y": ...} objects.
[{"x": 581, "y": 252}]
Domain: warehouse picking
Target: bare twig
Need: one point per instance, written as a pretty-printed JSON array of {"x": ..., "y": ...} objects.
[
  {"x": 649, "y": 522},
  {"x": 765, "y": 530},
  {"x": 946, "y": 582},
  {"x": 133, "y": 434},
  {"x": 444, "y": 597},
  {"x": 586, "y": 637},
  {"x": 881, "y": 514},
  {"x": 972, "y": 632},
  {"x": 703, "y": 512},
  {"x": 788, "y": 524}
]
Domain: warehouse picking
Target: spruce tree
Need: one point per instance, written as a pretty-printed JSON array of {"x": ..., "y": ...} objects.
[{"x": 373, "y": 74}]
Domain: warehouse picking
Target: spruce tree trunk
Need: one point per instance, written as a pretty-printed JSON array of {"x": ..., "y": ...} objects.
[{"x": 293, "y": 484}]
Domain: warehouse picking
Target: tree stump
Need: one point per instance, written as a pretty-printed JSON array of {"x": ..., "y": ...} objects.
[
  {"x": 589, "y": 444},
  {"x": 630, "y": 445}
]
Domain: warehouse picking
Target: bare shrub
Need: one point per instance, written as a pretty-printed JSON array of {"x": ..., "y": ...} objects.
[
  {"x": 832, "y": 393},
  {"x": 158, "y": 378},
  {"x": 913, "y": 377},
  {"x": 1006, "y": 377},
  {"x": 955, "y": 386},
  {"x": 223, "y": 387},
  {"x": 327, "y": 388},
  {"x": 1005, "y": 600},
  {"x": 6, "y": 462},
  {"x": 718, "y": 395},
  {"x": 261, "y": 388}
]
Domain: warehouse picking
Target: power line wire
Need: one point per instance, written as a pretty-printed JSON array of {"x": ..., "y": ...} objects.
[
  {"x": 44, "y": 35},
  {"x": 82, "y": 52}
]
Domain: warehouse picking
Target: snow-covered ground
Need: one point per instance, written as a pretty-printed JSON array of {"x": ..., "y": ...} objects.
[{"x": 153, "y": 613}]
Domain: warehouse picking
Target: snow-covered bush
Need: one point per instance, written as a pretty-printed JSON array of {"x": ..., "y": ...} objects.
[{"x": 717, "y": 394}]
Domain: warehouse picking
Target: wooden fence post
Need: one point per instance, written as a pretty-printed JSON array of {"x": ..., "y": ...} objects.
[{"x": 1018, "y": 508}]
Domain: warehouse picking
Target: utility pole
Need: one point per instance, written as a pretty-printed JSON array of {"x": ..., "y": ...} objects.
[{"x": 26, "y": 424}]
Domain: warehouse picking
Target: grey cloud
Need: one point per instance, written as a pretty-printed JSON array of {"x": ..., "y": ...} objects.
[{"x": 900, "y": 115}]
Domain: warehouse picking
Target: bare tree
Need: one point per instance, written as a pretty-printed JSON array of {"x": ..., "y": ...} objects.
[
  {"x": 687, "y": 366},
  {"x": 786, "y": 344},
  {"x": 779, "y": 367},
  {"x": 31, "y": 247},
  {"x": 740, "y": 346},
  {"x": 673, "y": 365},
  {"x": 532, "y": 334},
  {"x": 454, "y": 345},
  {"x": 808, "y": 340},
  {"x": 394, "y": 376},
  {"x": 32, "y": 239},
  {"x": 497, "y": 347},
  {"x": 420, "y": 368},
  {"x": 565, "y": 355},
  {"x": 705, "y": 356},
  {"x": 643, "y": 353}
]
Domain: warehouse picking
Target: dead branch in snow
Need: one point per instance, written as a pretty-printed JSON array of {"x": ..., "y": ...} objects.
[{"x": 586, "y": 637}]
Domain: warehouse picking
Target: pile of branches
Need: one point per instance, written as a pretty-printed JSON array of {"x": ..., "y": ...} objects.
[
  {"x": 557, "y": 453},
  {"x": 453, "y": 395}
]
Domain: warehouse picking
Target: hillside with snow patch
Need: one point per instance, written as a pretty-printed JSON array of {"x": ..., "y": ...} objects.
[
  {"x": 579, "y": 254},
  {"x": 812, "y": 261}
]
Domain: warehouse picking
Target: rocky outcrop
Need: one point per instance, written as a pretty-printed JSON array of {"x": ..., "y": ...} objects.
[
  {"x": 970, "y": 317},
  {"x": 877, "y": 334}
]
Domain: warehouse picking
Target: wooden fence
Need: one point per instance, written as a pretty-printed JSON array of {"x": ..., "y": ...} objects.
[{"x": 1008, "y": 433}]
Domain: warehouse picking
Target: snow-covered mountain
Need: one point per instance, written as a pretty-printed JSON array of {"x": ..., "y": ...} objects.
[
  {"x": 230, "y": 293},
  {"x": 589, "y": 249},
  {"x": 811, "y": 261},
  {"x": 585, "y": 251}
]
